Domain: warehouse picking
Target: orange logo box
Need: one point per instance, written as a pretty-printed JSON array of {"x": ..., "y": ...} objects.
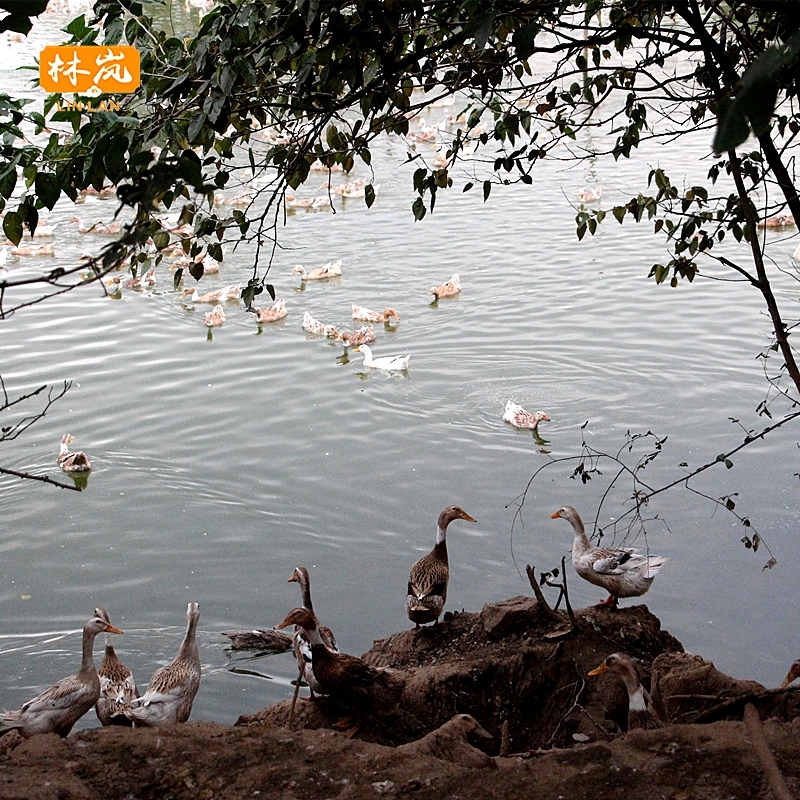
[{"x": 89, "y": 69}]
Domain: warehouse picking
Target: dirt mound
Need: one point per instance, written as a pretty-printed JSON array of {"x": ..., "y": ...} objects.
[
  {"x": 516, "y": 669},
  {"x": 519, "y": 670}
]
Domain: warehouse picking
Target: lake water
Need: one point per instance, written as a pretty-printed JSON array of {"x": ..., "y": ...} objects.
[{"x": 223, "y": 460}]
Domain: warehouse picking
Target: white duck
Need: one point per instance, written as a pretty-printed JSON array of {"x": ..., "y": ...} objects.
[
  {"x": 58, "y": 708},
  {"x": 171, "y": 691},
  {"x": 448, "y": 288},
  {"x": 69, "y": 461},
  {"x": 384, "y": 362},
  {"x": 622, "y": 573},
  {"x": 517, "y": 416},
  {"x": 223, "y": 295},
  {"x": 368, "y": 315},
  {"x": 329, "y": 270}
]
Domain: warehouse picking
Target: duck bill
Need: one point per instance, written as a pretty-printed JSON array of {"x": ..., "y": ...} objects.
[
  {"x": 286, "y": 623},
  {"x": 555, "y": 515},
  {"x": 598, "y": 670},
  {"x": 481, "y": 731},
  {"x": 468, "y": 518},
  {"x": 112, "y": 629},
  {"x": 293, "y": 579},
  {"x": 789, "y": 678}
]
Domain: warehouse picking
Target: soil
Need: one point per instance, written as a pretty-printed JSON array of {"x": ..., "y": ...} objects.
[{"x": 518, "y": 669}]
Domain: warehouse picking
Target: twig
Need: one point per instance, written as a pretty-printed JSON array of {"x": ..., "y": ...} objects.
[
  {"x": 43, "y": 478},
  {"x": 537, "y": 591},
  {"x": 761, "y": 748},
  {"x": 570, "y": 612}
]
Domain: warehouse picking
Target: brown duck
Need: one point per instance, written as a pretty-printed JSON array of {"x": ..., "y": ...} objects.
[
  {"x": 169, "y": 695},
  {"x": 362, "y": 689},
  {"x": 302, "y": 644},
  {"x": 639, "y": 713},
  {"x": 58, "y": 708},
  {"x": 117, "y": 686},
  {"x": 427, "y": 583}
]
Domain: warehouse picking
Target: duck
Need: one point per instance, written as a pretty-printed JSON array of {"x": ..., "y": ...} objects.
[
  {"x": 448, "y": 288},
  {"x": 367, "y": 315},
  {"x": 72, "y": 462},
  {"x": 319, "y": 201},
  {"x": 449, "y": 743},
  {"x": 517, "y": 416},
  {"x": 273, "y": 313},
  {"x": 395, "y": 363},
  {"x": 34, "y": 250},
  {"x": 215, "y": 317},
  {"x": 223, "y": 295},
  {"x": 357, "y": 338},
  {"x": 139, "y": 281},
  {"x": 587, "y": 195},
  {"x": 329, "y": 270},
  {"x": 257, "y": 639},
  {"x": 107, "y": 228},
  {"x": 58, "y": 708},
  {"x": 169, "y": 695},
  {"x": 361, "y": 688},
  {"x": 793, "y": 674},
  {"x": 640, "y": 715},
  {"x": 301, "y": 642},
  {"x": 427, "y": 582},
  {"x": 315, "y": 326},
  {"x": 621, "y": 572},
  {"x": 117, "y": 686}
]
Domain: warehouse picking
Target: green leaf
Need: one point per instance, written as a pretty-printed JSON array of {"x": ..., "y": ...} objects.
[
  {"x": 12, "y": 226},
  {"x": 47, "y": 188},
  {"x": 369, "y": 195}
]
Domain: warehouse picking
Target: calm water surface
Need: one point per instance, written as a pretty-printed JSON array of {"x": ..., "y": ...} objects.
[{"x": 223, "y": 460}]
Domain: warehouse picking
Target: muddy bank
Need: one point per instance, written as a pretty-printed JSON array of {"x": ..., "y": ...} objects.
[{"x": 518, "y": 670}]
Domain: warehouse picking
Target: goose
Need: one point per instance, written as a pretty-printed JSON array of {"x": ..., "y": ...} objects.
[
  {"x": 622, "y": 572},
  {"x": 449, "y": 743},
  {"x": 273, "y": 313},
  {"x": 329, "y": 270},
  {"x": 107, "y": 228},
  {"x": 72, "y": 462},
  {"x": 427, "y": 583},
  {"x": 215, "y": 317},
  {"x": 448, "y": 288},
  {"x": 361, "y": 688},
  {"x": 396, "y": 363},
  {"x": 223, "y": 295},
  {"x": 520, "y": 418},
  {"x": 117, "y": 686},
  {"x": 301, "y": 642},
  {"x": 639, "y": 714},
  {"x": 172, "y": 689},
  {"x": 367, "y": 315},
  {"x": 58, "y": 708}
]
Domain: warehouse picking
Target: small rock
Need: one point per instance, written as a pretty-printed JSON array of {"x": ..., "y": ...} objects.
[{"x": 499, "y": 619}]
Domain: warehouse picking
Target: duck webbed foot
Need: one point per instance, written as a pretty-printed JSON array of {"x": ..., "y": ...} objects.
[{"x": 611, "y": 602}]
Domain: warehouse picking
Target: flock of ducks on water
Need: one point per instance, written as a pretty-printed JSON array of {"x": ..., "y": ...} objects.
[{"x": 363, "y": 690}]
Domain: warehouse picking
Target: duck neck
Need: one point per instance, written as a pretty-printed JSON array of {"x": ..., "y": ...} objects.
[
  {"x": 581, "y": 541},
  {"x": 87, "y": 661},
  {"x": 188, "y": 645},
  {"x": 314, "y": 637},
  {"x": 305, "y": 590},
  {"x": 440, "y": 548}
]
